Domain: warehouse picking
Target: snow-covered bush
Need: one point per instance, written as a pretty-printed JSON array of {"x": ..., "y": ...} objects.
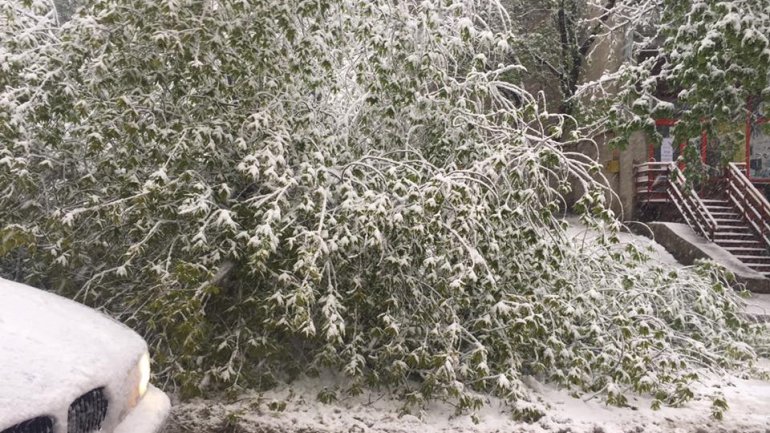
[{"x": 273, "y": 188}]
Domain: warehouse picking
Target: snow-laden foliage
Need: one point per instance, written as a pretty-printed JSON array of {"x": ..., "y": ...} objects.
[
  {"x": 558, "y": 41},
  {"x": 701, "y": 61},
  {"x": 273, "y": 188}
]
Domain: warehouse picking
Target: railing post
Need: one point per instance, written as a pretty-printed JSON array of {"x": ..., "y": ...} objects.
[{"x": 754, "y": 206}]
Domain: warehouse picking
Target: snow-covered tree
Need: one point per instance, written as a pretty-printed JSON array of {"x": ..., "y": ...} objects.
[
  {"x": 272, "y": 188},
  {"x": 709, "y": 57},
  {"x": 556, "y": 41}
]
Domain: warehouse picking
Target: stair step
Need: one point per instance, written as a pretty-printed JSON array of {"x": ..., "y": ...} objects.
[
  {"x": 735, "y": 229},
  {"x": 745, "y": 250},
  {"x": 741, "y": 229},
  {"x": 731, "y": 247},
  {"x": 726, "y": 215},
  {"x": 743, "y": 243},
  {"x": 715, "y": 201},
  {"x": 756, "y": 266},
  {"x": 734, "y": 235},
  {"x": 713, "y": 209},
  {"x": 753, "y": 259},
  {"x": 722, "y": 221}
]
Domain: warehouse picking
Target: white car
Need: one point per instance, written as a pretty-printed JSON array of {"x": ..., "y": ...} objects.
[{"x": 65, "y": 368}]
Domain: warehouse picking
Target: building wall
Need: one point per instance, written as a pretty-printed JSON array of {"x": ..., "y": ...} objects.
[{"x": 608, "y": 54}]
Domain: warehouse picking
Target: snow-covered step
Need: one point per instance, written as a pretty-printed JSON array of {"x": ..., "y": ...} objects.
[
  {"x": 726, "y": 216},
  {"x": 753, "y": 258},
  {"x": 743, "y": 236},
  {"x": 728, "y": 222},
  {"x": 654, "y": 200},
  {"x": 735, "y": 228},
  {"x": 750, "y": 243},
  {"x": 713, "y": 208},
  {"x": 760, "y": 267},
  {"x": 738, "y": 250},
  {"x": 716, "y": 202},
  {"x": 743, "y": 243},
  {"x": 721, "y": 220},
  {"x": 726, "y": 213},
  {"x": 741, "y": 230}
]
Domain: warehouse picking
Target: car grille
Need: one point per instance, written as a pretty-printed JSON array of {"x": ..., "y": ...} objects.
[
  {"x": 87, "y": 413},
  {"x": 41, "y": 424}
]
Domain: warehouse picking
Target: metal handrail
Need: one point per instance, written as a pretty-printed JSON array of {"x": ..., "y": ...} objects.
[
  {"x": 702, "y": 217},
  {"x": 753, "y": 205},
  {"x": 686, "y": 200},
  {"x": 644, "y": 179}
]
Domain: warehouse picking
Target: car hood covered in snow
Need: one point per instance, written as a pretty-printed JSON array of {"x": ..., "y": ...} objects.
[{"x": 53, "y": 350}]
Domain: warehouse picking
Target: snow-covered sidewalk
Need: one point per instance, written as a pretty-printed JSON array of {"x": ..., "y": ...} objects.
[
  {"x": 758, "y": 305},
  {"x": 749, "y": 412}
]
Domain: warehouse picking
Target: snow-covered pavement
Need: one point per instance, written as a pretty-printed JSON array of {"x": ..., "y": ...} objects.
[
  {"x": 749, "y": 412},
  {"x": 758, "y": 305}
]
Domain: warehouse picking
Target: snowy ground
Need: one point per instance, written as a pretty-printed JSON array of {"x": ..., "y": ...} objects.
[
  {"x": 749, "y": 401},
  {"x": 377, "y": 412},
  {"x": 759, "y": 306}
]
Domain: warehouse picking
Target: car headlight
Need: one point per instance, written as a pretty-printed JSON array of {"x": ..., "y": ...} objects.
[
  {"x": 144, "y": 374},
  {"x": 139, "y": 380}
]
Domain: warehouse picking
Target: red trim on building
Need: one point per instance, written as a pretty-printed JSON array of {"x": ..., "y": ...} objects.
[
  {"x": 759, "y": 121},
  {"x": 665, "y": 122},
  {"x": 672, "y": 122},
  {"x": 748, "y": 140}
]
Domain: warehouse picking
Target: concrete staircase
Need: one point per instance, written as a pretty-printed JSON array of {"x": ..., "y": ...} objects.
[
  {"x": 734, "y": 216},
  {"x": 734, "y": 234}
]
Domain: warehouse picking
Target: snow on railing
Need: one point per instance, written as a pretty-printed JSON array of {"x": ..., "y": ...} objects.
[
  {"x": 651, "y": 180},
  {"x": 664, "y": 182},
  {"x": 690, "y": 204},
  {"x": 752, "y": 204}
]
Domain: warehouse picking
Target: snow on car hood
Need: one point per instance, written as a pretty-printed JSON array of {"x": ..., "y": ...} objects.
[{"x": 52, "y": 350}]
